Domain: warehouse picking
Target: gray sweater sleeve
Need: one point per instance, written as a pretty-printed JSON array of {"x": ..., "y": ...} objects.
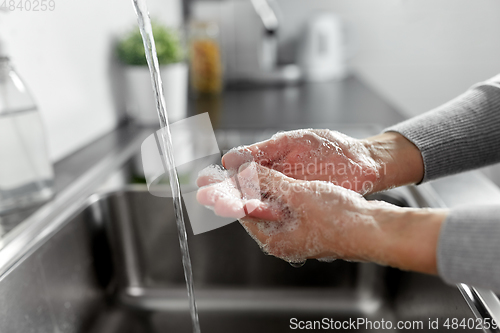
[
  {"x": 469, "y": 247},
  {"x": 460, "y": 135}
]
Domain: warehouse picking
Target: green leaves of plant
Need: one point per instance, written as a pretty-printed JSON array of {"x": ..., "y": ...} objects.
[{"x": 130, "y": 49}]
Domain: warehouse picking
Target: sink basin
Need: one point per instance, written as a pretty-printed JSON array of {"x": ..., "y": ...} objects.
[
  {"x": 110, "y": 262},
  {"x": 237, "y": 287}
]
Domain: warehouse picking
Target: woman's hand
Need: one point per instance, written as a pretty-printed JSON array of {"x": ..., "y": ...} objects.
[
  {"x": 364, "y": 166},
  {"x": 296, "y": 220}
]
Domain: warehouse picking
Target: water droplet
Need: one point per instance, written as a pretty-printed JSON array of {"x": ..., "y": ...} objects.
[{"x": 298, "y": 264}]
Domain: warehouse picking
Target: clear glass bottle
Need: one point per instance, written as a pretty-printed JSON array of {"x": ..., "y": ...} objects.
[{"x": 26, "y": 174}]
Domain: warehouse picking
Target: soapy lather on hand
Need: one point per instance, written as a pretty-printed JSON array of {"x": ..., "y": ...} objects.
[{"x": 285, "y": 192}]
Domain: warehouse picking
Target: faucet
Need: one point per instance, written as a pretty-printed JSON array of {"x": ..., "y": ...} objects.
[
  {"x": 267, "y": 70},
  {"x": 269, "y": 44}
]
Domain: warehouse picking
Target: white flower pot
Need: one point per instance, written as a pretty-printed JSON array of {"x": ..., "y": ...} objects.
[{"x": 140, "y": 102}]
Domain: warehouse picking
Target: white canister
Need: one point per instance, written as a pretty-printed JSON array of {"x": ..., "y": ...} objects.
[
  {"x": 322, "y": 49},
  {"x": 140, "y": 102}
]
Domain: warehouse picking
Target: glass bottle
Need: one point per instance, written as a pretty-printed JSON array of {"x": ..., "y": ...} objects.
[
  {"x": 26, "y": 174},
  {"x": 205, "y": 58}
]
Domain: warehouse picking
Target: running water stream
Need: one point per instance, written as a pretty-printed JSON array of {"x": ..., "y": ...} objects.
[{"x": 167, "y": 150}]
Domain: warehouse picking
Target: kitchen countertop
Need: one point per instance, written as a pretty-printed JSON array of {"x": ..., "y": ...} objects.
[
  {"x": 72, "y": 167},
  {"x": 321, "y": 105}
]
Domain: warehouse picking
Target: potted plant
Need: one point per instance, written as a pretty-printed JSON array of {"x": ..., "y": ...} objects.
[{"x": 140, "y": 101}]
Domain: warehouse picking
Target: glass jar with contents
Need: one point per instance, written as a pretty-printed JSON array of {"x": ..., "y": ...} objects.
[{"x": 205, "y": 58}]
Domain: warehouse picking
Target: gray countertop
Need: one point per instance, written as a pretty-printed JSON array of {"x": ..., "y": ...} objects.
[
  {"x": 323, "y": 105},
  {"x": 72, "y": 167}
]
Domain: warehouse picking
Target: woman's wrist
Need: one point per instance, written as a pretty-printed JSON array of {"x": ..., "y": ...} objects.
[
  {"x": 400, "y": 161},
  {"x": 407, "y": 238}
]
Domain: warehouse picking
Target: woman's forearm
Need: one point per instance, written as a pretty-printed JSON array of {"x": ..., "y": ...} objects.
[
  {"x": 400, "y": 160},
  {"x": 408, "y": 238}
]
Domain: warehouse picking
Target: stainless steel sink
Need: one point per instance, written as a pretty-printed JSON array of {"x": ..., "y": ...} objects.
[
  {"x": 110, "y": 262},
  {"x": 238, "y": 288}
]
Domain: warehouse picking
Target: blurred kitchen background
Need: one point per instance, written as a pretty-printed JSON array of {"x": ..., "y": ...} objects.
[{"x": 417, "y": 54}]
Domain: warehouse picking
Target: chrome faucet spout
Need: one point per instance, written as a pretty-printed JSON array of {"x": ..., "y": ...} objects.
[{"x": 267, "y": 15}]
